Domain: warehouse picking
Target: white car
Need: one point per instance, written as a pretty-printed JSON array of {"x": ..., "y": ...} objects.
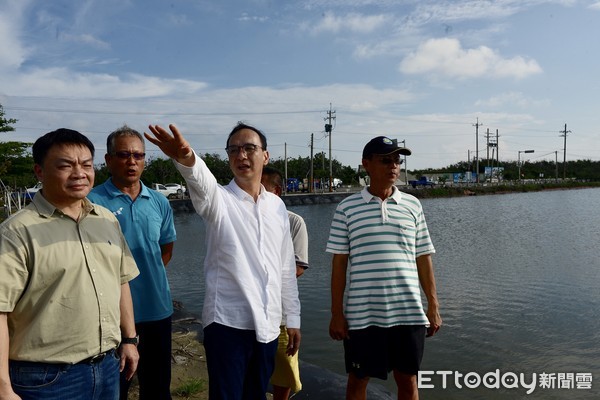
[
  {"x": 30, "y": 192},
  {"x": 168, "y": 192},
  {"x": 337, "y": 183},
  {"x": 180, "y": 189}
]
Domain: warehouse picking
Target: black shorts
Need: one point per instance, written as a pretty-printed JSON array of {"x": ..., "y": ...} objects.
[{"x": 375, "y": 351}]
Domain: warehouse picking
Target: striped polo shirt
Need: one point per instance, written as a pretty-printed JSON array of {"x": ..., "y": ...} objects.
[{"x": 383, "y": 240}]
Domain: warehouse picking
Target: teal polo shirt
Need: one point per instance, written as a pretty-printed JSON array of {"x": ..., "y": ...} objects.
[{"x": 147, "y": 223}]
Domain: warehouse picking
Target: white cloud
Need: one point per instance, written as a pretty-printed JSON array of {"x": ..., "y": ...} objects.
[
  {"x": 516, "y": 99},
  {"x": 86, "y": 39},
  {"x": 245, "y": 17},
  {"x": 65, "y": 82},
  {"x": 366, "y": 51},
  {"x": 13, "y": 53},
  {"x": 178, "y": 20},
  {"x": 595, "y": 6},
  {"x": 352, "y": 22},
  {"x": 452, "y": 11},
  {"x": 446, "y": 58}
]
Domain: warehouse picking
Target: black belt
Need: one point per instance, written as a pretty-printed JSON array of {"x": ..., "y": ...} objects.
[{"x": 97, "y": 358}]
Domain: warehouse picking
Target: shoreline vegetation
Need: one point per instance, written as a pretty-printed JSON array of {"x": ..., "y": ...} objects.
[{"x": 502, "y": 188}]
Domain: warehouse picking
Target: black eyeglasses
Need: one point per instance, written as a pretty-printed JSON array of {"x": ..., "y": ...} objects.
[
  {"x": 391, "y": 160},
  {"x": 125, "y": 155},
  {"x": 249, "y": 148}
]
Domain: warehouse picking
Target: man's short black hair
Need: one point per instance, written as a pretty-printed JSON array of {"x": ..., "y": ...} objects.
[
  {"x": 273, "y": 174},
  {"x": 58, "y": 137},
  {"x": 240, "y": 125}
]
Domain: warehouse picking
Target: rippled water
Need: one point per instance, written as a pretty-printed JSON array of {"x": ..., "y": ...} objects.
[{"x": 518, "y": 280}]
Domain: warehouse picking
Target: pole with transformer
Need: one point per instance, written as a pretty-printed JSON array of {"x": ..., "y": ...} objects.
[{"x": 328, "y": 130}]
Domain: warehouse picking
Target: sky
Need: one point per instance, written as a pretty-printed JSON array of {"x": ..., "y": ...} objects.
[{"x": 441, "y": 77}]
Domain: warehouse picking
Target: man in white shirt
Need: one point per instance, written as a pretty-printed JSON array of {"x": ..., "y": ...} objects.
[{"x": 250, "y": 270}]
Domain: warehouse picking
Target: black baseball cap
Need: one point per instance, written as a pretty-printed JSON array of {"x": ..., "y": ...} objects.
[{"x": 382, "y": 145}]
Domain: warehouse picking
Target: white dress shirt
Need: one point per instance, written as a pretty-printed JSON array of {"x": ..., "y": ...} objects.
[{"x": 249, "y": 269}]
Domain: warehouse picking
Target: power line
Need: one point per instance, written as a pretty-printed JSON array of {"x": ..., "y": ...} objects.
[{"x": 70, "y": 111}]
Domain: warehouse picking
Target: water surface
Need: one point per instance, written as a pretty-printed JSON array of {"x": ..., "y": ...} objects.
[{"x": 518, "y": 281}]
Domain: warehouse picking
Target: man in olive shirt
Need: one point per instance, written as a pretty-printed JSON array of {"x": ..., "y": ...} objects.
[{"x": 65, "y": 304}]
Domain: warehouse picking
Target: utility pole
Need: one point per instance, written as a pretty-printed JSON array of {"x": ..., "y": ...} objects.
[
  {"x": 405, "y": 167},
  {"x": 487, "y": 138},
  {"x": 477, "y": 125},
  {"x": 493, "y": 143},
  {"x": 519, "y": 162},
  {"x": 556, "y": 164},
  {"x": 497, "y": 153},
  {"x": 286, "y": 176},
  {"x": 564, "y": 134},
  {"x": 328, "y": 129},
  {"x": 312, "y": 184}
]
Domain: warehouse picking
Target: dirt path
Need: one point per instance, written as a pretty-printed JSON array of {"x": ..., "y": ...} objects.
[{"x": 188, "y": 367}]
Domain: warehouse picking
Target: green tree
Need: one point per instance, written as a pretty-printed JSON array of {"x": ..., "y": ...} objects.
[
  {"x": 300, "y": 168},
  {"x": 219, "y": 167},
  {"x": 160, "y": 170},
  {"x": 16, "y": 164},
  {"x": 5, "y": 123},
  {"x": 101, "y": 174}
]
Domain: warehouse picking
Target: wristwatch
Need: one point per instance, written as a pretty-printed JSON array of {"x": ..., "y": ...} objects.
[{"x": 134, "y": 340}]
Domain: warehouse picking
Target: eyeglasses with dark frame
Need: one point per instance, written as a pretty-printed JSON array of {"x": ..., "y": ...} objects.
[
  {"x": 387, "y": 160},
  {"x": 126, "y": 155},
  {"x": 249, "y": 148}
]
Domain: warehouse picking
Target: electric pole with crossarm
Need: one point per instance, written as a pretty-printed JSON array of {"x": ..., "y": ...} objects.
[{"x": 564, "y": 134}]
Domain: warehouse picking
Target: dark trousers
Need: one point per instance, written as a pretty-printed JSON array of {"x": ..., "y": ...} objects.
[
  {"x": 154, "y": 368},
  {"x": 239, "y": 367}
]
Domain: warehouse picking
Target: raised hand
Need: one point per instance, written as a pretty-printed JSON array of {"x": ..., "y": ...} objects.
[{"x": 174, "y": 146}]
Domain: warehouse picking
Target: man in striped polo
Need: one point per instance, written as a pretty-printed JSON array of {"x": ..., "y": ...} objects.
[{"x": 380, "y": 238}]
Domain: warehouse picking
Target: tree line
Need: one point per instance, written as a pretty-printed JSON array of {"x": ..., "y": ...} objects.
[
  {"x": 587, "y": 170},
  {"x": 160, "y": 170},
  {"x": 16, "y": 167}
]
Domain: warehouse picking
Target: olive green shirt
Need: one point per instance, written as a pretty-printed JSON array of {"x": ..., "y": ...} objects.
[{"x": 60, "y": 282}]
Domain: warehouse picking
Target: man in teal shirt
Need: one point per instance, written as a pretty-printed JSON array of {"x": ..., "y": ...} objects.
[{"x": 146, "y": 220}]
